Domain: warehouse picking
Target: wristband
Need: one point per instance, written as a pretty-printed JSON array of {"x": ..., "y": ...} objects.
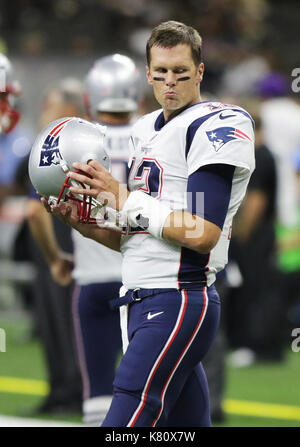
[{"x": 142, "y": 210}]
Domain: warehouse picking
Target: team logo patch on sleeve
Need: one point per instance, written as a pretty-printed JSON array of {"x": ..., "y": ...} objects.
[{"x": 223, "y": 135}]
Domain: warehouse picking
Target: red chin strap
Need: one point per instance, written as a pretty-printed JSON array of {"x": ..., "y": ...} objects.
[{"x": 84, "y": 205}]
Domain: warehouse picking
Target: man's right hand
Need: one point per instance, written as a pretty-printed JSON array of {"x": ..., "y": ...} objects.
[
  {"x": 61, "y": 269},
  {"x": 67, "y": 212}
]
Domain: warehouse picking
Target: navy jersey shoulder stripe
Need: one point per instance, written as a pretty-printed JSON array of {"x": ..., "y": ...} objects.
[
  {"x": 192, "y": 129},
  {"x": 159, "y": 122},
  {"x": 194, "y": 126}
]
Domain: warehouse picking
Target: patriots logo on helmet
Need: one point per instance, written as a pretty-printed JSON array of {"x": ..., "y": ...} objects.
[
  {"x": 223, "y": 135},
  {"x": 50, "y": 154}
]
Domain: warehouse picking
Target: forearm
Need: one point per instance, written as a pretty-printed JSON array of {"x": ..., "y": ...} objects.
[
  {"x": 109, "y": 238},
  {"x": 250, "y": 215},
  {"x": 179, "y": 227},
  {"x": 191, "y": 231},
  {"x": 42, "y": 230},
  {"x": 67, "y": 212}
]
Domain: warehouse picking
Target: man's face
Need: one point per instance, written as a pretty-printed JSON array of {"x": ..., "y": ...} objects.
[{"x": 174, "y": 77}]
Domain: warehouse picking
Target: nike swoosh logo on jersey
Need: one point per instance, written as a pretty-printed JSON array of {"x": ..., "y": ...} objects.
[
  {"x": 224, "y": 117},
  {"x": 150, "y": 315}
]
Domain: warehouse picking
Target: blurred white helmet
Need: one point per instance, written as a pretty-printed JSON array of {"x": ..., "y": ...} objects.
[
  {"x": 10, "y": 88},
  {"x": 112, "y": 85},
  {"x": 53, "y": 153}
]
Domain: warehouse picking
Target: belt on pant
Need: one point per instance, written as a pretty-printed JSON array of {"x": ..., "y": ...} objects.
[{"x": 135, "y": 295}]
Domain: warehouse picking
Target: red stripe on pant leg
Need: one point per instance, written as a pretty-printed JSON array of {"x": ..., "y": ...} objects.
[
  {"x": 156, "y": 365},
  {"x": 203, "y": 311}
]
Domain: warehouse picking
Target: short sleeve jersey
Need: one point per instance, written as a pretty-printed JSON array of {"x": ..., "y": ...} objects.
[{"x": 163, "y": 156}]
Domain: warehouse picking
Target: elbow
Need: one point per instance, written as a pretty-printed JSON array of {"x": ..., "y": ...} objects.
[
  {"x": 34, "y": 211},
  {"x": 203, "y": 245}
]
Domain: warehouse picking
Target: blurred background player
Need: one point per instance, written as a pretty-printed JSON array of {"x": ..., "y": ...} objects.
[
  {"x": 15, "y": 144},
  {"x": 14, "y": 140},
  {"x": 255, "y": 315},
  {"x": 112, "y": 96},
  {"x": 51, "y": 247}
]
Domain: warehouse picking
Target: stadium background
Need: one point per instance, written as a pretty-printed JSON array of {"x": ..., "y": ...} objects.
[{"x": 49, "y": 40}]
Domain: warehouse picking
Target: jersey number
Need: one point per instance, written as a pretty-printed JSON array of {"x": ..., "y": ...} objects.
[{"x": 149, "y": 174}]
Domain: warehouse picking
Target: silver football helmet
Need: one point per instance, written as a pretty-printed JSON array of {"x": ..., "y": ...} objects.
[
  {"x": 112, "y": 85},
  {"x": 10, "y": 88},
  {"x": 55, "y": 149}
]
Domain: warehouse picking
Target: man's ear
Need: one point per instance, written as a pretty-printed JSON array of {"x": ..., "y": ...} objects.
[
  {"x": 200, "y": 72},
  {"x": 148, "y": 74}
]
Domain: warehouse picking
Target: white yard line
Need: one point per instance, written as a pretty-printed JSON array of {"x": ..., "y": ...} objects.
[{"x": 8, "y": 421}]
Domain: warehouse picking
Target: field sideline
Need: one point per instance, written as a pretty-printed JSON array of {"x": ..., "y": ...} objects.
[
  {"x": 231, "y": 406},
  {"x": 262, "y": 395}
]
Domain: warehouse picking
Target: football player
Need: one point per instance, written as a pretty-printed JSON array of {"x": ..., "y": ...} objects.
[
  {"x": 51, "y": 252},
  {"x": 15, "y": 141},
  {"x": 10, "y": 89},
  {"x": 190, "y": 165}
]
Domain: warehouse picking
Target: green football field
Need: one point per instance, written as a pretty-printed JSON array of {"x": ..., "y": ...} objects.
[{"x": 263, "y": 395}]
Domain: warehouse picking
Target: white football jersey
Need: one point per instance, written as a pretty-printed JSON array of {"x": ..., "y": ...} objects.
[
  {"x": 95, "y": 263},
  {"x": 163, "y": 155}
]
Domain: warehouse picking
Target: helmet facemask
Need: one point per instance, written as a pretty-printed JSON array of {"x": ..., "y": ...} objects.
[{"x": 87, "y": 207}]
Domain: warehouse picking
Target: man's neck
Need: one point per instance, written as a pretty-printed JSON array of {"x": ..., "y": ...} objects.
[{"x": 168, "y": 115}]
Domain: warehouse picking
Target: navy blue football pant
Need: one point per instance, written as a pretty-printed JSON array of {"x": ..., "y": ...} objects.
[
  {"x": 160, "y": 380},
  {"x": 98, "y": 336}
]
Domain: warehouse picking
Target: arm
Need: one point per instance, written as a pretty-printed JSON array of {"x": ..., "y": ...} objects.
[
  {"x": 67, "y": 213},
  {"x": 41, "y": 226},
  {"x": 207, "y": 211},
  {"x": 250, "y": 214},
  {"x": 191, "y": 231},
  {"x": 186, "y": 228}
]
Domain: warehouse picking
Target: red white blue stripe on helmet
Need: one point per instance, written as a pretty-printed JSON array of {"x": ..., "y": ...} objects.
[{"x": 59, "y": 127}]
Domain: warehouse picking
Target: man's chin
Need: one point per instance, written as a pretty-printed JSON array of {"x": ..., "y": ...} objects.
[{"x": 172, "y": 105}]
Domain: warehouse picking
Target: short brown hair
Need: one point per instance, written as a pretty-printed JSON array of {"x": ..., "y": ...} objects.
[{"x": 171, "y": 33}]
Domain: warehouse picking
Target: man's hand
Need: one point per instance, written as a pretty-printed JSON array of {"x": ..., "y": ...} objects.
[
  {"x": 103, "y": 186},
  {"x": 61, "y": 269},
  {"x": 67, "y": 212}
]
